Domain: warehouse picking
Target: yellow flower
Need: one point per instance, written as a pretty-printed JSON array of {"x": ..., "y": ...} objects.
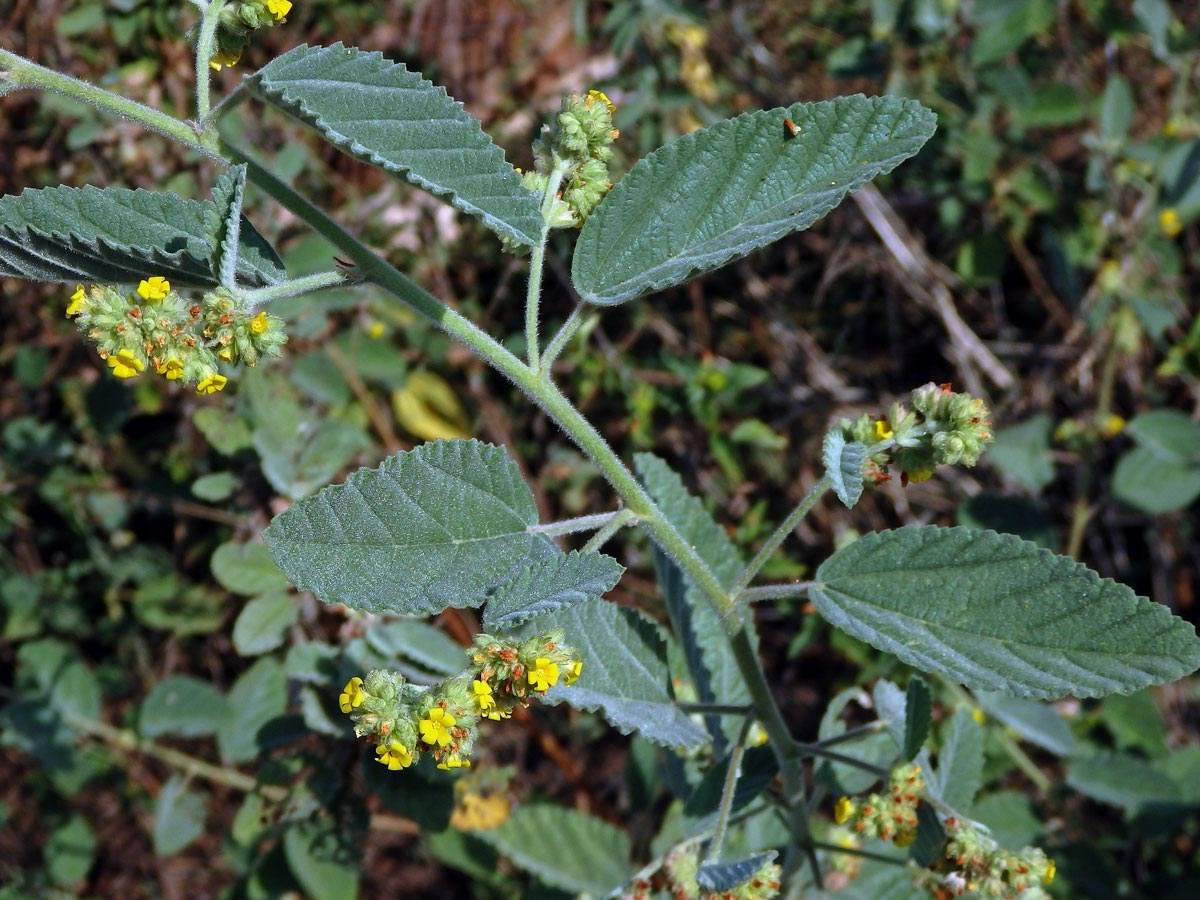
[
  {"x": 171, "y": 369},
  {"x": 211, "y": 384},
  {"x": 454, "y": 761},
  {"x": 435, "y": 730},
  {"x": 496, "y": 714},
  {"x": 883, "y": 431},
  {"x": 1048, "y": 877},
  {"x": 259, "y": 323},
  {"x": 904, "y": 838},
  {"x": 352, "y": 695},
  {"x": 225, "y": 354},
  {"x": 78, "y": 301},
  {"x": 483, "y": 695},
  {"x": 1169, "y": 223},
  {"x": 393, "y": 754},
  {"x": 1111, "y": 426},
  {"x": 573, "y": 672},
  {"x": 221, "y": 60},
  {"x": 978, "y": 716},
  {"x": 916, "y": 476},
  {"x": 124, "y": 364},
  {"x": 601, "y": 97},
  {"x": 843, "y": 810},
  {"x": 544, "y": 674},
  {"x": 376, "y": 329},
  {"x": 153, "y": 289},
  {"x": 279, "y": 8}
]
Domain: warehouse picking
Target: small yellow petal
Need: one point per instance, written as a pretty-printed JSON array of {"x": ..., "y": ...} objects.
[
  {"x": 883, "y": 430},
  {"x": 211, "y": 384},
  {"x": 153, "y": 289},
  {"x": 279, "y": 8},
  {"x": 124, "y": 364},
  {"x": 843, "y": 810},
  {"x": 259, "y": 323}
]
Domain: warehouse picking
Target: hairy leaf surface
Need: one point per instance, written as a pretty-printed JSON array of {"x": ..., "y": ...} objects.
[
  {"x": 844, "y": 465},
  {"x": 719, "y": 193},
  {"x": 119, "y": 236},
  {"x": 443, "y": 525},
  {"x": 380, "y": 113},
  {"x": 625, "y": 676},
  {"x": 551, "y": 583},
  {"x": 998, "y": 613},
  {"x": 725, "y": 876}
]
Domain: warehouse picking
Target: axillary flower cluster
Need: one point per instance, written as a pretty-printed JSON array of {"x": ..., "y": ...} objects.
[
  {"x": 578, "y": 148},
  {"x": 942, "y": 428},
  {"x": 154, "y": 328},
  {"x": 971, "y": 860},
  {"x": 406, "y": 721},
  {"x": 237, "y": 21}
]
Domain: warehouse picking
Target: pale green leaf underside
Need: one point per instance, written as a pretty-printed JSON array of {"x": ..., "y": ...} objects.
[
  {"x": 439, "y": 526},
  {"x": 551, "y": 583},
  {"x": 721, "y": 192},
  {"x": 844, "y": 464},
  {"x": 382, "y": 114},
  {"x": 998, "y": 613},
  {"x": 120, "y": 236},
  {"x": 563, "y": 847},
  {"x": 625, "y": 676}
]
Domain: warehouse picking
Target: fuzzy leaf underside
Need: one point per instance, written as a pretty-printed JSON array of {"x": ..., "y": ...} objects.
[
  {"x": 625, "y": 676},
  {"x": 551, "y": 583},
  {"x": 998, "y": 613},
  {"x": 725, "y": 876},
  {"x": 721, "y": 192},
  {"x": 224, "y": 218},
  {"x": 440, "y": 526},
  {"x": 120, "y": 236},
  {"x": 382, "y": 114},
  {"x": 844, "y": 465}
]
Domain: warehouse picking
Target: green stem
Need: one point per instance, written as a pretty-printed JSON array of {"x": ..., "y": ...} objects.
[
  {"x": 857, "y": 851},
  {"x": 731, "y": 779},
  {"x": 228, "y": 103},
  {"x": 560, "y": 340},
  {"x": 573, "y": 526},
  {"x": 850, "y": 735},
  {"x": 1081, "y": 512},
  {"x": 20, "y": 73},
  {"x": 834, "y": 756},
  {"x": 780, "y": 535},
  {"x": 776, "y": 591},
  {"x": 601, "y": 537},
  {"x": 294, "y": 287},
  {"x": 209, "y": 20},
  {"x": 536, "y": 266},
  {"x": 714, "y": 709}
]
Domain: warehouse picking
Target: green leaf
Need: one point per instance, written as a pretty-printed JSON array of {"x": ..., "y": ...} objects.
[
  {"x": 725, "y": 876},
  {"x": 1035, "y": 722},
  {"x": 1155, "y": 484},
  {"x": 224, "y": 220},
  {"x": 181, "y": 706},
  {"x": 1021, "y": 516},
  {"x": 1022, "y": 452},
  {"x": 758, "y": 770},
  {"x": 259, "y": 695},
  {"x": 551, "y": 583},
  {"x": 564, "y": 848},
  {"x": 844, "y": 465},
  {"x": 443, "y": 525},
  {"x": 1136, "y": 723},
  {"x": 1168, "y": 433},
  {"x": 706, "y": 648},
  {"x": 959, "y": 773},
  {"x": 215, "y": 487},
  {"x": 70, "y": 851},
  {"x": 382, "y": 114},
  {"x": 119, "y": 236},
  {"x": 246, "y": 569},
  {"x": 418, "y": 643},
  {"x": 625, "y": 675},
  {"x": 319, "y": 858},
  {"x": 917, "y": 709},
  {"x": 721, "y": 192},
  {"x": 1122, "y": 780},
  {"x": 178, "y": 817},
  {"x": 997, "y": 613},
  {"x": 263, "y": 623}
]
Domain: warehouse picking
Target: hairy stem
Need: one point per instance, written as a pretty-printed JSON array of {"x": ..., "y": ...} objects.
[
  {"x": 781, "y": 534},
  {"x": 559, "y": 342},
  {"x": 601, "y": 537},
  {"x": 572, "y": 526},
  {"x": 209, "y": 20},
  {"x": 536, "y": 267},
  {"x": 294, "y": 287},
  {"x": 726, "y": 806}
]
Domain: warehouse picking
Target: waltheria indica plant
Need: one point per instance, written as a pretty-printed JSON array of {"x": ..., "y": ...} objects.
[{"x": 182, "y": 289}]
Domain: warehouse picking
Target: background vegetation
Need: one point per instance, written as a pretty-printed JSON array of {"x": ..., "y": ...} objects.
[{"x": 1039, "y": 251}]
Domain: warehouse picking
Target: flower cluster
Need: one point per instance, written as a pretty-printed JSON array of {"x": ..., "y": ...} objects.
[
  {"x": 406, "y": 720},
  {"x": 683, "y": 862},
  {"x": 182, "y": 341},
  {"x": 977, "y": 864},
  {"x": 942, "y": 428},
  {"x": 237, "y": 21},
  {"x": 891, "y": 816},
  {"x": 580, "y": 146}
]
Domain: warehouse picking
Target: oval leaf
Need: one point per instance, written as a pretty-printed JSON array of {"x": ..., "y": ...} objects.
[
  {"x": 119, "y": 236},
  {"x": 844, "y": 466},
  {"x": 719, "y": 193},
  {"x": 998, "y": 613},
  {"x": 178, "y": 817},
  {"x": 442, "y": 525},
  {"x": 380, "y": 113}
]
